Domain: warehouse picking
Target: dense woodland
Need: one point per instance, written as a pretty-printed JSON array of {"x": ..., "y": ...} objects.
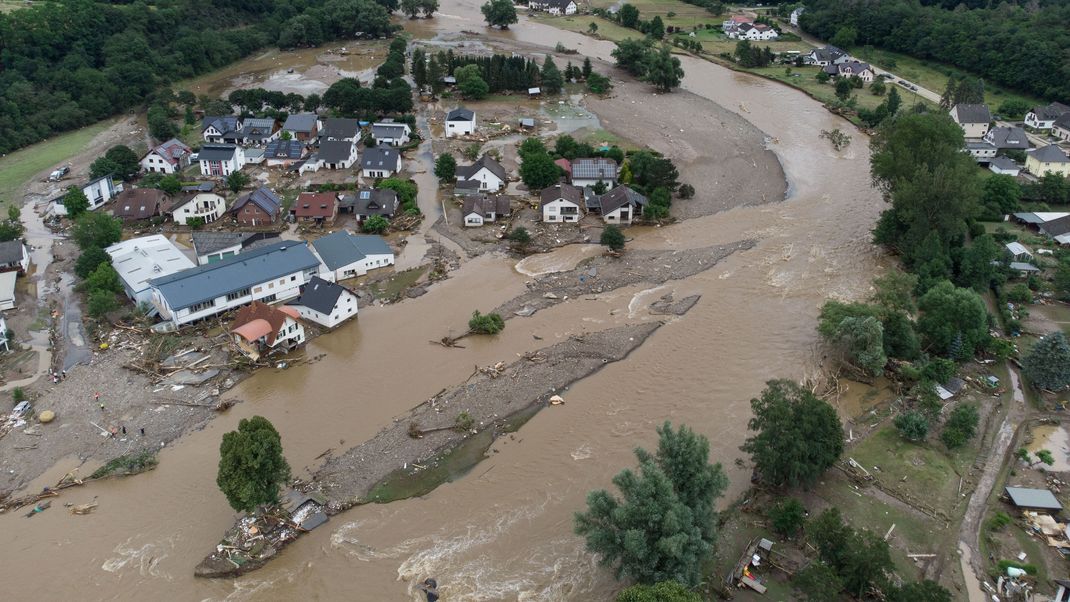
[
  {"x": 69, "y": 63},
  {"x": 1024, "y": 47}
]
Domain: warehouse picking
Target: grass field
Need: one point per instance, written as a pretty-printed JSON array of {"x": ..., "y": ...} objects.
[
  {"x": 804, "y": 79},
  {"x": 684, "y": 15},
  {"x": 18, "y": 167},
  {"x": 7, "y": 6}
]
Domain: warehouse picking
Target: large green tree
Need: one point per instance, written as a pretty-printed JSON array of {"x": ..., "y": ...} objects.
[
  {"x": 119, "y": 161},
  {"x": 75, "y": 202},
  {"x": 662, "y": 527},
  {"x": 663, "y": 70},
  {"x": 632, "y": 55},
  {"x": 96, "y": 229},
  {"x": 445, "y": 167},
  {"x": 470, "y": 82},
  {"x": 1047, "y": 364},
  {"x": 251, "y": 464},
  {"x": 539, "y": 171},
  {"x": 856, "y": 333},
  {"x": 953, "y": 320},
  {"x": 797, "y": 436},
  {"x": 980, "y": 266},
  {"x": 499, "y": 13},
  {"x": 551, "y": 79}
]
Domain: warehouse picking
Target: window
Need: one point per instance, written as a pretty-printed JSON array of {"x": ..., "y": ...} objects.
[
  {"x": 269, "y": 298},
  {"x": 202, "y": 306},
  {"x": 293, "y": 278},
  {"x": 238, "y": 294}
]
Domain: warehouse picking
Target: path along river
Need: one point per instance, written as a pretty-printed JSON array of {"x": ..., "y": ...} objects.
[{"x": 504, "y": 531}]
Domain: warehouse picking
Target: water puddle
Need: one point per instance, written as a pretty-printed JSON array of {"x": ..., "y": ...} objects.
[
  {"x": 561, "y": 259},
  {"x": 1054, "y": 439}
]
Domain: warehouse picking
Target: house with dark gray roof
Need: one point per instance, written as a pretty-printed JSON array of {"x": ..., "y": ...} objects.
[
  {"x": 460, "y": 122},
  {"x": 1048, "y": 159},
  {"x": 618, "y": 206},
  {"x": 257, "y": 208},
  {"x": 169, "y": 157},
  {"x": 270, "y": 273},
  {"x": 588, "y": 172},
  {"x": 972, "y": 118},
  {"x": 302, "y": 126},
  {"x": 486, "y": 171},
  {"x": 219, "y": 129},
  {"x": 14, "y": 257},
  {"x": 220, "y": 160},
  {"x": 561, "y": 203},
  {"x": 1043, "y": 117},
  {"x": 211, "y": 247},
  {"x": 337, "y": 154},
  {"x": 257, "y": 130},
  {"x": 1060, "y": 128},
  {"x": 1008, "y": 138},
  {"x": 350, "y": 255},
  {"x": 479, "y": 209},
  {"x": 829, "y": 55},
  {"x": 1004, "y": 166},
  {"x": 391, "y": 133},
  {"x": 367, "y": 202},
  {"x": 326, "y": 303},
  {"x": 380, "y": 162},
  {"x": 340, "y": 128}
]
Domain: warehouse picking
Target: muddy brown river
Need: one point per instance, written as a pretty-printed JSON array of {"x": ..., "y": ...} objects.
[{"x": 504, "y": 531}]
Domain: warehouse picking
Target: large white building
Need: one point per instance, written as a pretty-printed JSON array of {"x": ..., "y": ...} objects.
[
  {"x": 326, "y": 303},
  {"x": 208, "y": 206},
  {"x": 460, "y": 122},
  {"x": 350, "y": 255},
  {"x": 139, "y": 260}
]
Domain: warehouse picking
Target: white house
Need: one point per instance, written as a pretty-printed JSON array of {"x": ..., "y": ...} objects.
[
  {"x": 269, "y": 273},
  {"x": 259, "y": 130},
  {"x": 1043, "y": 118},
  {"x": 259, "y": 329},
  {"x": 1004, "y": 166},
  {"x": 853, "y": 69},
  {"x": 795, "y": 14},
  {"x": 337, "y": 154},
  {"x": 981, "y": 151},
  {"x": 208, "y": 206},
  {"x": 754, "y": 31},
  {"x": 591, "y": 171},
  {"x": 380, "y": 162},
  {"x": 561, "y": 203},
  {"x": 14, "y": 256},
  {"x": 1018, "y": 251},
  {"x": 221, "y": 128},
  {"x": 460, "y": 122},
  {"x": 486, "y": 171},
  {"x": 973, "y": 119},
  {"x": 326, "y": 303},
  {"x": 829, "y": 55},
  {"x": 619, "y": 206},
  {"x": 554, "y": 7},
  {"x": 98, "y": 191},
  {"x": 3, "y": 334},
  {"x": 350, "y": 255},
  {"x": 340, "y": 128},
  {"x": 139, "y": 260},
  {"x": 479, "y": 209},
  {"x": 220, "y": 160},
  {"x": 391, "y": 133},
  {"x": 7, "y": 289},
  {"x": 169, "y": 157},
  {"x": 1060, "y": 128}
]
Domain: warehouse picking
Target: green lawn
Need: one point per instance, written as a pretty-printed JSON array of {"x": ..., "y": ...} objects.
[
  {"x": 684, "y": 15},
  {"x": 804, "y": 79},
  {"x": 17, "y": 168}
]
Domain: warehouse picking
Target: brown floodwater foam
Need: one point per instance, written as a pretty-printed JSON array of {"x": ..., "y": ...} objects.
[{"x": 505, "y": 530}]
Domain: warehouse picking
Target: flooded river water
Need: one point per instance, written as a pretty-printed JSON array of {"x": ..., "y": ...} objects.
[{"x": 504, "y": 531}]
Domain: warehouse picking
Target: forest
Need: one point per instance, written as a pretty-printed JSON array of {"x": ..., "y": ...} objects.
[
  {"x": 1022, "y": 47},
  {"x": 69, "y": 63}
]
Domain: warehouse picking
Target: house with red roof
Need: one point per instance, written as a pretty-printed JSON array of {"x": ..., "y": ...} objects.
[
  {"x": 259, "y": 329},
  {"x": 169, "y": 157},
  {"x": 316, "y": 207}
]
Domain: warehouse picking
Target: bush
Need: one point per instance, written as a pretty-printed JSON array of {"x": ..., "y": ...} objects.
[
  {"x": 960, "y": 427},
  {"x": 520, "y": 236},
  {"x": 613, "y": 238},
  {"x": 127, "y": 465},
  {"x": 912, "y": 426},
  {"x": 1020, "y": 293},
  {"x": 491, "y": 323},
  {"x": 663, "y": 591},
  {"x": 18, "y": 395},
  {"x": 686, "y": 191},
  {"x": 89, "y": 260},
  {"x": 101, "y": 302},
  {"x": 1030, "y": 569},
  {"x": 375, "y": 224},
  {"x": 788, "y": 517}
]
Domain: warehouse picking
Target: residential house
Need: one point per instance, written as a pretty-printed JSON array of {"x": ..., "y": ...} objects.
[
  {"x": 589, "y": 172},
  {"x": 1004, "y": 166},
  {"x": 257, "y": 131},
  {"x": 1008, "y": 138},
  {"x": 479, "y": 209},
  {"x": 259, "y": 329},
  {"x": 619, "y": 206},
  {"x": 370, "y": 201},
  {"x": 340, "y": 128},
  {"x": 139, "y": 203},
  {"x": 221, "y": 129},
  {"x": 220, "y": 160},
  {"x": 206, "y": 186},
  {"x": 380, "y": 162},
  {"x": 1043, "y": 118},
  {"x": 561, "y": 203},
  {"x": 731, "y": 25},
  {"x": 973, "y": 119},
  {"x": 795, "y": 14},
  {"x": 851, "y": 69},
  {"x": 139, "y": 260},
  {"x": 169, "y": 157},
  {"x": 754, "y": 31},
  {"x": 1058, "y": 228},
  {"x": 828, "y": 55},
  {"x": 283, "y": 153},
  {"x": 1018, "y": 251},
  {"x": 337, "y": 154},
  {"x": 316, "y": 207},
  {"x": 14, "y": 256},
  {"x": 7, "y": 290},
  {"x": 207, "y": 206},
  {"x": 554, "y": 7},
  {"x": 302, "y": 126},
  {"x": 98, "y": 191},
  {"x": 326, "y": 303},
  {"x": 981, "y": 151},
  {"x": 460, "y": 122},
  {"x": 211, "y": 247},
  {"x": 1033, "y": 499},
  {"x": 272, "y": 272},
  {"x": 486, "y": 171},
  {"x": 1060, "y": 128},
  {"x": 350, "y": 255},
  {"x": 391, "y": 133},
  {"x": 1047, "y": 159},
  {"x": 257, "y": 208}
]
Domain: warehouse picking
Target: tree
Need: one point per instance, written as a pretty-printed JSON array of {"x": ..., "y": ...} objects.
[
  {"x": 1047, "y": 364},
  {"x": 236, "y": 181},
  {"x": 912, "y": 426},
  {"x": 375, "y": 224},
  {"x": 445, "y": 167},
  {"x": 798, "y": 435},
  {"x": 520, "y": 236},
  {"x": 88, "y": 261},
  {"x": 613, "y": 238},
  {"x": 662, "y": 591},
  {"x": 499, "y": 13},
  {"x": 788, "y": 517},
  {"x": 100, "y": 302},
  {"x": 1000, "y": 195},
  {"x": 960, "y": 426},
  {"x": 629, "y": 16},
  {"x": 663, "y": 70},
  {"x": 845, "y": 38},
  {"x": 980, "y": 266},
  {"x": 170, "y": 184},
  {"x": 1054, "y": 188},
  {"x": 843, "y": 89},
  {"x": 592, "y": 28},
  {"x": 96, "y": 229},
  {"x": 855, "y": 330},
  {"x": 650, "y": 172},
  {"x": 470, "y": 81},
  {"x": 119, "y": 160},
  {"x": 411, "y": 8},
  {"x": 491, "y": 323},
  {"x": 818, "y": 583},
  {"x": 631, "y": 55},
  {"x": 312, "y": 102},
  {"x": 656, "y": 28},
  {"x": 551, "y": 79},
  {"x": 686, "y": 191},
  {"x": 878, "y": 87},
  {"x": 951, "y": 314},
  {"x": 251, "y": 465},
  {"x": 920, "y": 591},
  {"x": 822, "y": 77},
  {"x": 663, "y": 524},
  {"x": 860, "y": 559},
  {"x": 75, "y": 202},
  {"x": 895, "y": 291},
  {"x": 586, "y": 70},
  {"x": 103, "y": 278},
  {"x": 598, "y": 83},
  {"x": 428, "y": 7},
  {"x": 539, "y": 171}
]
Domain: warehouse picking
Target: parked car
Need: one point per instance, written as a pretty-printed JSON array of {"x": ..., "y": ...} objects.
[{"x": 58, "y": 174}]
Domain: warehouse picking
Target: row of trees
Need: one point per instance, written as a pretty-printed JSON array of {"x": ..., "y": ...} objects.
[
  {"x": 654, "y": 65},
  {"x": 390, "y": 94}
]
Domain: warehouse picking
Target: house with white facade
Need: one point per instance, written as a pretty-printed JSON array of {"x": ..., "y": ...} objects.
[
  {"x": 335, "y": 154},
  {"x": 620, "y": 206},
  {"x": 1008, "y": 138},
  {"x": 169, "y": 157},
  {"x": 220, "y": 160},
  {"x": 367, "y": 202},
  {"x": 7, "y": 289},
  {"x": 302, "y": 126},
  {"x": 14, "y": 256},
  {"x": 260, "y": 329},
  {"x": 326, "y": 303},
  {"x": 391, "y": 133},
  {"x": 1004, "y": 166},
  {"x": 561, "y": 203},
  {"x": 283, "y": 153},
  {"x": 828, "y": 55},
  {"x": 754, "y": 32},
  {"x": 487, "y": 172},
  {"x": 256, "y": 130},
  {"x": 1060, "y": 128},
  {"x": 981, "y": 151},
  {"x": 380, "y": 162},
  {"x": 554, "y": 7},
  {"x": 208, "y": 206},
  {"x": 211, "y": 247},
  {"x": 350, "y": 255},
  {"x": 272, "y": 272},
  {"x": 479, "y": 209},
  {"x": 340, "y": 128},
  {"x": 732, "y": 24},
  {"x": 460, "y": 122},
  {"x": 139, "y": 260},
  {"x": 220, "y": 129},
  {"x": 852, "y": 69},
  {"x": 1043, "y": 118},
  {"x": 591, "y": 171},
  {"x": 98, "y": 191},
  {"x": 973, "y": 119}
]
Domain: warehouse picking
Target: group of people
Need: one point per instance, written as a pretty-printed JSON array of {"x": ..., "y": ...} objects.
[{"x": 57, "y": 376}]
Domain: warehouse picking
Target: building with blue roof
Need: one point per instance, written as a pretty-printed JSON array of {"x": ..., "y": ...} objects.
[{"x": 349, "y": 255}]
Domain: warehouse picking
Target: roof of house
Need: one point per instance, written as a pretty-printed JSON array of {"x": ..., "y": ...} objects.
[
  {"x": 184, "y": 200},
  {"x": 1056, "y": 227},
  {"x": 334, "y": 151},
  {"x": 1004, "y": 163},
  {"x": 1051, "y": 111},
  {"x": 619, "y": 197},
  {"x": 223, "y": 123},
  {"x": 139, "y": 260},
  {"x": 380, "y": 157},
  {"x": 206, "y": 243},
  {"x": 216, "y": 152},
  {"x": 560, "y": 4},
  {"x": 316, "y": 204},
  {"x": 252, "y": 267},
  {"x": 1050, "y": 154},
  {"x": 11, "y": 251},
  {"x": 172, "y": 150},
  {"x": 138, "y": 203},
  {"x": 461, "y": 114},
  {"x": 1034, "y": 217},
  {"x": 261, "y": 320},
  {"x": 284, "y": 149},
  {"x": 1017, "y": 248},
  {"x": 301, "y": 122},
  {"x": 389, "y": 130},
  {"x": 560, "y": 191},
  {"x": 372, "y": 201},
  {"x": 321, "y": 295},
  {"x": 1063, "y": 121},
  {"x": 1024, "y": 497},
  {"x": 341, "y": 248},
  {"x": 261, "y": 197},
  {"x": 828, "y": 53},
  {"x": 1008, "y": 137},
  {"x": 486, "y": 161},
  {"x": 340, "y": 127},
  {"x": 258, "y": 128},
  {"x": 483, "y": 204},
  {"x": 854, "y": 66},
  {"x": 967, "y": 113},
  {"x": 597, "y": 168},
  {"x": 1021, "y": 266},
  {"x": 199, "y": 187}
]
